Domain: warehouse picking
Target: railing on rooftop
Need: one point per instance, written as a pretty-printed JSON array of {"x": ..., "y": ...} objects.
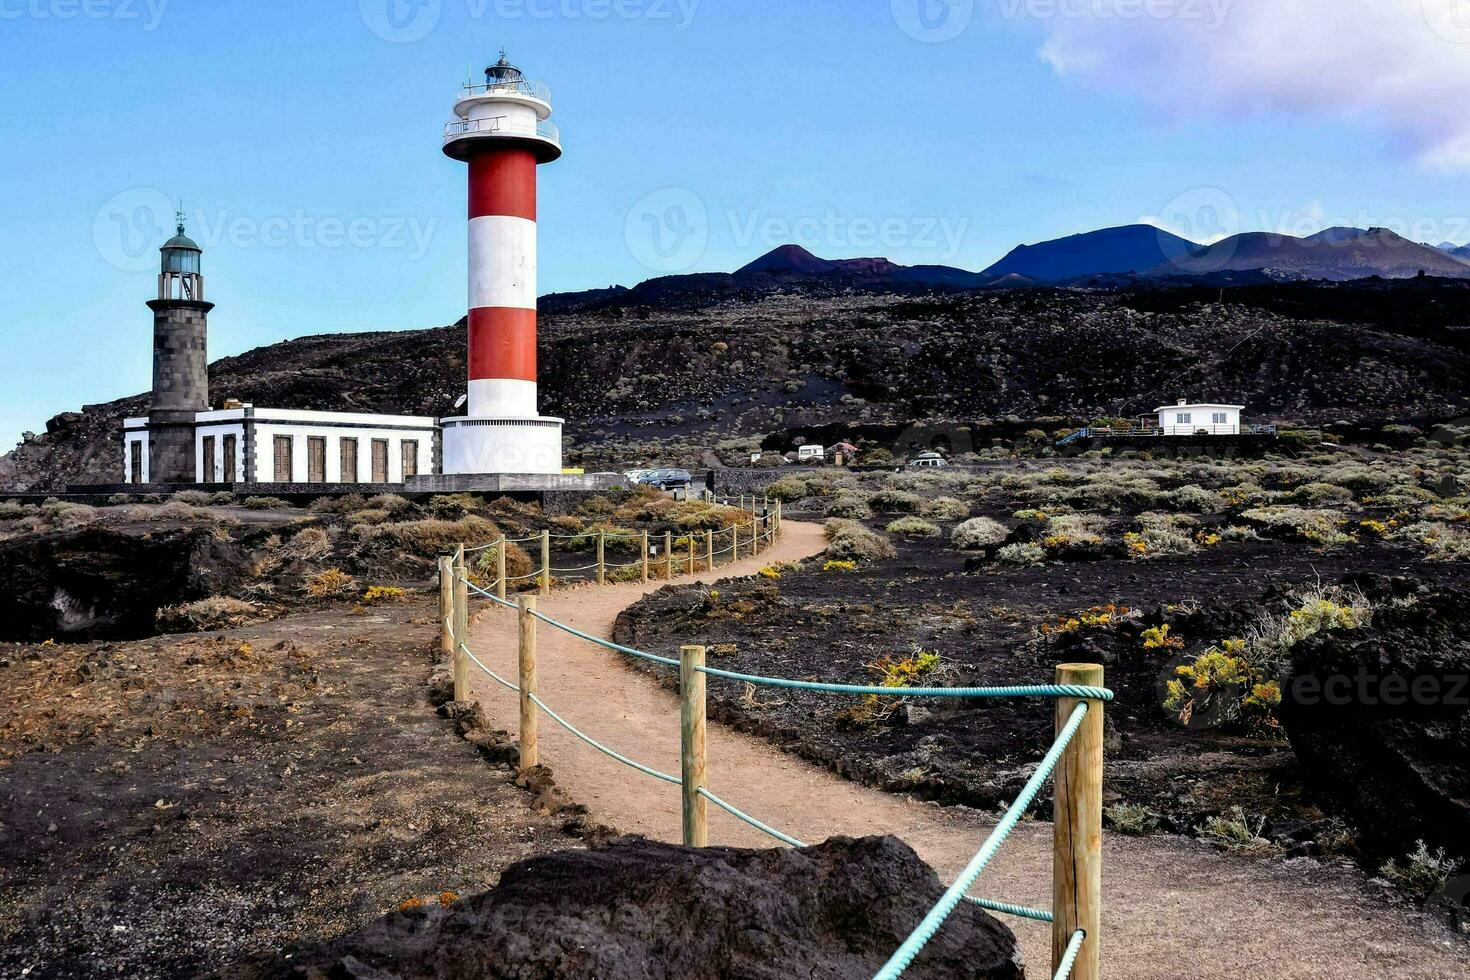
[
  {"x": 536, "y": 90},
  {"x": 502, "y": 126}
]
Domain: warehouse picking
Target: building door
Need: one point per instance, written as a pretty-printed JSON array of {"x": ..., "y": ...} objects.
[
  {"x": 380, "y": 460},
  {"x": 410, "y": 458},
  {"x": 231, "y": 465},
  {"x": 283, "y": 459},
  {"x": 135, "y": 463},
  {"x": 316, "y": 459},
  {"x": 349, "y": 460},
  {"x": 207, "y": 469}
]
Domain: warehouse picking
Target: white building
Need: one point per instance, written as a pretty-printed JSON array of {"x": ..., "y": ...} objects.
[
  {"x": 1191, "y": 419},
  {"x": 276, "y": 445}
]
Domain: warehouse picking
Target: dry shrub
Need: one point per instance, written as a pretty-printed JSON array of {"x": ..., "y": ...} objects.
[
  {"x": 425, "y": 538},
  {"x": 329, "y": 584},
  {"x": 194, "y": 498},
  {"x": 850, "y": 540},
  {"x": 264, "y": 503},
  {"x": 979, "y": 532},
  {"x": 850, "y": 504},
  {"x": 309, "y": 544},
  {"x": 455, "y": 505},
  {"x": 913, "y": 527},
  {"x": 390, "y": 502},
  {"x": 518, "y": 562},
  {"x": 214, "y": 613},
  {"x": 946, "y": 509},
  {"x": 177, "y": 510}
]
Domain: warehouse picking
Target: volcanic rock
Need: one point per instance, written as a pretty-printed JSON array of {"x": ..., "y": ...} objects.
[{"x": 647, "y": 910}]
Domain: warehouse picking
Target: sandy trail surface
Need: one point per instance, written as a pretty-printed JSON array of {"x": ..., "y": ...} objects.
[{"x": 1171, "y": 907}]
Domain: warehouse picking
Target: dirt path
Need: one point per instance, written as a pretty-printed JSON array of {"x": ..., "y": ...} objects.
[{"x": 1172, "y": 907}]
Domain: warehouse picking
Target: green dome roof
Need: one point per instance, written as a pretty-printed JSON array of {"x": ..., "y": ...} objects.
[{"x": 182, "y": 240}]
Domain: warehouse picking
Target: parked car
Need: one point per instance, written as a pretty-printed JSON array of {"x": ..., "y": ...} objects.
[
  {"x": 927, "y": 461},
  {"x": 667, "y": 479}
]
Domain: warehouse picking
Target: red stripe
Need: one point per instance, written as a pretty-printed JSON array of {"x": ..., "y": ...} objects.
[
  {"x": 502, "y": 343},
  {"x": 503, "y": 181}
]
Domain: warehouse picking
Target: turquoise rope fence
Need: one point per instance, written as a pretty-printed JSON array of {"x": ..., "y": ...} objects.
[{"x": 953, "y": 895}]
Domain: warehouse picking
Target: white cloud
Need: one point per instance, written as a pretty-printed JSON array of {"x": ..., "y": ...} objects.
[{"x": 1403, "y": 65}]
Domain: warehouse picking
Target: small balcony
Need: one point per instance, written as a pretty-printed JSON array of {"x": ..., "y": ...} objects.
[
  {"x": 518, "y": 87},
  {"x": 461, "y": 133}
]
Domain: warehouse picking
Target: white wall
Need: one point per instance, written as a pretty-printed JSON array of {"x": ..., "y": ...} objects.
[
  {"x": 129, "y": 438},
  {"x": 218, "y": 432},
  {"x": 1200, "y": 417},
  {"x": 265, "y": 450}
]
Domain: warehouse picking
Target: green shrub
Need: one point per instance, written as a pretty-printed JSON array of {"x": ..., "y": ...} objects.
[
  {"x": 1021, "y": 554},
  {"x": 1197, "y": 500},
  {"x": 1132, "y": 819},
  {"x": 978, "y": 532},
  {"x": 913, "y": 527},
  {"x": 1319, "y": 494},
  {"x": 1423, "y": 874},
  {"x": 788, "y": 489}
]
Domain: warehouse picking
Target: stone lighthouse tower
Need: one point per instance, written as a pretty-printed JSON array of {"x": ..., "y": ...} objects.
[
  {"x": 502, "y": 130},
  {"x": 180, "y": 361}
]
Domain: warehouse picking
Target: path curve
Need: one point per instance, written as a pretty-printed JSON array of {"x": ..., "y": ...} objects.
[{"x": 1171, "y": 907}]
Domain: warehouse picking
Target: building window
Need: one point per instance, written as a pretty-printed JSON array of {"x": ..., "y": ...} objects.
[
  {"x": 410, "y": 453},
  {"x": 1220, "y": 418},
  {"x": 1182, "y": 418},
  {"x": 348, "y": 453},
  {"x": 283, "y": 459},
  {"x": 207, "y": 469},
  {"x": 316, "y": 459},
  {"x": 135, "y": 461},
  {"x": 380, "y": 460},
  {"x": 231, "y": 465}
]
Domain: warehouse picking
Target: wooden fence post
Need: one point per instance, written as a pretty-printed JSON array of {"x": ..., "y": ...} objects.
[
  {"x": 645, "y": 557},
  {"x": 527, "y": 666},
  {"x": 1077, "y": 834},
  {"x": 669, "y": 554},
  {"x": 691, "y": 553},
  {"x": 601, "y": 557},
  {"x": 461, "y": 627},
  {"x": 691, "y": 745},
  {"x": 446, "y": 606},
  {"x": 735, "y": 542},
  {"x": 546, "y": 563},
  {"x": 500, "y": 568},
  {"x": 709, "y": 549}
]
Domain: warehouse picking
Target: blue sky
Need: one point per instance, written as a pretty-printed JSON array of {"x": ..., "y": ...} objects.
[{"x": 304, "y": 142}]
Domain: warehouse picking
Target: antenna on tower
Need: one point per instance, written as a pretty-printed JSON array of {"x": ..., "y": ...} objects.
[{"x": 179, "y": 214}]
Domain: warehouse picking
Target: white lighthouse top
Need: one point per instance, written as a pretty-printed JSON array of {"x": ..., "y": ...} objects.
[{"x": 507, "y": 107}]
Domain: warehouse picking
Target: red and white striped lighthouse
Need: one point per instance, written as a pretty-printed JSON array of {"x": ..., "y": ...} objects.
[{"x": 504, "y": 133}]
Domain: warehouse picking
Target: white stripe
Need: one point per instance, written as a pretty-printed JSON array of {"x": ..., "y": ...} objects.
[
  {"x": 499, "y": 397},
  {"x": 502, "y": 262}
]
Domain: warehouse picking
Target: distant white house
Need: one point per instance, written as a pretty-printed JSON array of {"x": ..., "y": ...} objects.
[{"x": 1190, "y": 419}]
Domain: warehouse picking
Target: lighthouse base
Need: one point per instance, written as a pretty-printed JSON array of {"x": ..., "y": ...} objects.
[{"x": 502, "y": 445}]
